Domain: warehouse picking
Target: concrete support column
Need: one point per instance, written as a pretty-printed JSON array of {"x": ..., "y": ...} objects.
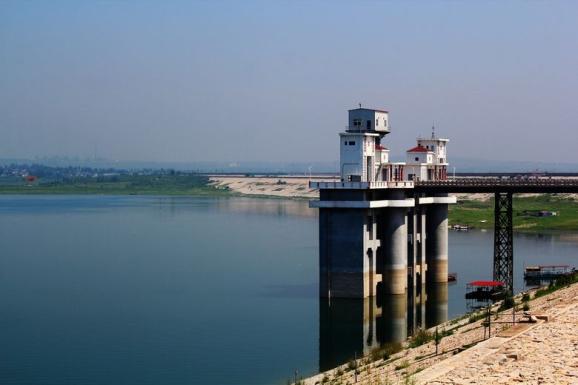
[
  {"x": 437, "y": 243},
  {"x": 392, "y": 230},
  {"x": 422, "y": 244},
  {"x": 412, "y": 252},
  {"x": 346, "y": 253},
  {"x": 341, "y": 253}
]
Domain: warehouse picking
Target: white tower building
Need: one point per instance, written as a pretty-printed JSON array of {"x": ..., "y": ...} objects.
[
  {"x": 361, "y": 151},
  {"x": 373, "y": 228},
  {"x": 427, "y": 160}
]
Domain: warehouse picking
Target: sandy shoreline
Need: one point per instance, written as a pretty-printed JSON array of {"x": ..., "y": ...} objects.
[{"x": 282, "y": 187}]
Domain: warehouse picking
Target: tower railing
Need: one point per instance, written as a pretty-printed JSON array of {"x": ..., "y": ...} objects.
[{"x": 361, "y": 185}]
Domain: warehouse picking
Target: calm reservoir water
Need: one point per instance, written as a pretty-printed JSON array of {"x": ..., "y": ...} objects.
[{"x": 177, "y": 290}]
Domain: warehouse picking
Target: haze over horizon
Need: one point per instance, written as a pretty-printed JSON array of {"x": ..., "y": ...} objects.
[{"x": 262, "y": 81}]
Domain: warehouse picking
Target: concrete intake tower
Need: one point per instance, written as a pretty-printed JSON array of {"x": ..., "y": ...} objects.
[{"x": 376, "y": 233}]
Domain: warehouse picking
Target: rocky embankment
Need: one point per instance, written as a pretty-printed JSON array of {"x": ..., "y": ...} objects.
[{"x": 544, "y": 352}]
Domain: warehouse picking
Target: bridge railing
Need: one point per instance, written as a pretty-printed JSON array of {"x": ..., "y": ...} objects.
[{"x": 499, "y": 182}]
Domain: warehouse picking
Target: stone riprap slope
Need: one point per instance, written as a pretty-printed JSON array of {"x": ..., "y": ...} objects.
[
  {"x": 538, "y": 353},
  {"x": 546, "y": 353}
]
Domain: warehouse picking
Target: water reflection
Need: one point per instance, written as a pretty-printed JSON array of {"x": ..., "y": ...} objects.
[
  {"x": 277, "y": 207},
  {"x": 354, "y": 327},
  {"x": 436, "y": 306}
]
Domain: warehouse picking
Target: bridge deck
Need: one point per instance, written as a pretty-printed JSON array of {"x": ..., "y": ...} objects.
[{"x": 494, "y": 185}]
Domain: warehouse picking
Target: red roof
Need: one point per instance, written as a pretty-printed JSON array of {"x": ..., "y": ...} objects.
[
  {"x": 486, "y": 283},
  {"x": 380, "y": 147},
  {"x": 418, "y": 149}
]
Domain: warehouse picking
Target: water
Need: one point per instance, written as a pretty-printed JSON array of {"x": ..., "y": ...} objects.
[{"x": 163, "y": 290}]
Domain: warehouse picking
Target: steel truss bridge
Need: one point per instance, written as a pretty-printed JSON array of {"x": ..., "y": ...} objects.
[{"x": 503, "y": 190}]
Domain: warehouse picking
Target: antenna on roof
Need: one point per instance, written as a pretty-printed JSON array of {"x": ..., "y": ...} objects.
[
  {"x": 433, "y": 130},
  {"x": 359, "y": 105}
]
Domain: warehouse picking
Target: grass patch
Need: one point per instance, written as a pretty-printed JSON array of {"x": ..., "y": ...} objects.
[
  {"x": 476, "y": 317},
  {"x": 124, "y": 184},
  {"x": 481, "y": 214}
]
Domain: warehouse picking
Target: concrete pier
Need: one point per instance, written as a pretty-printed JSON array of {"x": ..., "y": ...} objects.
[
  {"x": 344, "y": 266},
  {"x": 386, "y": 241},
  {"x": 437, "y": 243},
  {"x": 392, "y": 231}
]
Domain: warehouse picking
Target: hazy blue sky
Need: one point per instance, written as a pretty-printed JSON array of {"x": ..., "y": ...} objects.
[{"x": 272, "y": 80}]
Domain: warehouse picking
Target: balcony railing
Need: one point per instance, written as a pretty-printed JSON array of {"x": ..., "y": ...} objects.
[{"x": 361, "y": 185}]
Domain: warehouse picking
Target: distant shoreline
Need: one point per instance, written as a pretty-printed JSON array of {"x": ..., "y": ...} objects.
[{"x": 474, "y": 210}]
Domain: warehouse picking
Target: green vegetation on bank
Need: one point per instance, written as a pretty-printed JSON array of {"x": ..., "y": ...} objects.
[
  {"x": 127, "y": 184},
  {"x": 557, "y": 284},
  {"x": 479, "y": 214}
]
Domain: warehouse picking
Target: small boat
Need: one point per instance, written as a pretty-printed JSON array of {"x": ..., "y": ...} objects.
[
  {"x": 547, "y": 271},
  {"x": 460, "y": 227},
  {"x": 452, "y": 277}
]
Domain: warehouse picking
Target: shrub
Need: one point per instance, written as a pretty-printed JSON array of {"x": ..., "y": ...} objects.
[
  {"x": 507, "y": 303},
  {"x": 386, "y": 351},
  {"x": 448, "y": 332},
  {"x": 352, "y": 365},
  {"x": 526, "y": 306},
  {"x": 557, "y": 284},
  {"x": 525, "y": 297},
  {"x": 408, "y": 380},
  {"x": 402, "y": 365},
  {"x": 420, "y": 337}
]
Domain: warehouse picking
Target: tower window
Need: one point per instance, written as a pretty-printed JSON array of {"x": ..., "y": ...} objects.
[
  {"x": 376, "y": 122},
  {"x": 352, "y": 143},
  {"x": 416, "y": 158}
]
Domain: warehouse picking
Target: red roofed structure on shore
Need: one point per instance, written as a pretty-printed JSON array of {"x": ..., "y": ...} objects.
[{"x": 484, "y": 290}]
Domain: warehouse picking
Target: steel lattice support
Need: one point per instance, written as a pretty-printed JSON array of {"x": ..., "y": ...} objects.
[{"x": 503, "y": 241}]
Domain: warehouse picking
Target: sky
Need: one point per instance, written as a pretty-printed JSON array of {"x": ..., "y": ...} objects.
[{"x": 187, "y": 81}]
